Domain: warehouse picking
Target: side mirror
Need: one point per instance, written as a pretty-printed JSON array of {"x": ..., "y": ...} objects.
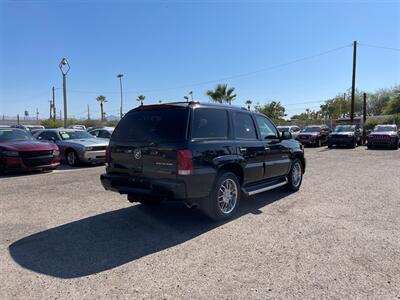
[
  {"x": 39, "y": 138},
  {"x": 285, "y": 135}
]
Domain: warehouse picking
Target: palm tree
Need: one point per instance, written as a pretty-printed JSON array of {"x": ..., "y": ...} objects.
[
  {"x": 248, "y": 103},
  {"x": 141, "y": 99},
  {"x": 101, "y": 99},
  {"x": 222, "y": 93}
]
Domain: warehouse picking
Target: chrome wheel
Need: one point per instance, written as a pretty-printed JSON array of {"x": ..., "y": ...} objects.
[
  {"x": 227, "y": 196},
  {"x": 296, "y": 174},
  {"x": 71, "y": 158}
]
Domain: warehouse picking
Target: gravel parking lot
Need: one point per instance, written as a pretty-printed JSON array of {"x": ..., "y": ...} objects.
[{"x": 63, "y": 236}]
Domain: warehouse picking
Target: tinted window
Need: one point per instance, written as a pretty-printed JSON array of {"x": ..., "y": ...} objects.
[
  {"x": 210, "y": 123},
  {"x": 15, "y": 135},
  {"x": 166, "y": 124},
  {"x": 104, "y": 134},
  {"x": 267, "y": 129},
  {"x": 244, "y": 126},
  {"x": 94, "y": 133},
  {"x": 46, "y": 135}
]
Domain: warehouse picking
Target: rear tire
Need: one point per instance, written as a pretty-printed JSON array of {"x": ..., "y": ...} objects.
[
  {"x": 224, "y": 197},
  {"x": 295, "y": 176}
]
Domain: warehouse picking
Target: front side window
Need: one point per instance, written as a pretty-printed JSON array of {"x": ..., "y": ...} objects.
[
  {"x": 47, "y": 135},
  {"x": 267, "y": 129},
  {"x": 210, "y": 124},
  {"x": 104, "y": 134},
  {"x": 244, "y": 126}
]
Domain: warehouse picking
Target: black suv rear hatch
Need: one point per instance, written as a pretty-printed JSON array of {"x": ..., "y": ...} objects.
[{"x": 146, "y": 141}]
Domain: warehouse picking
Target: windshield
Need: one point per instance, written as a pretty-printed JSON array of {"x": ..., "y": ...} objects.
[
  {"x": 384, "y": 128},
  {"x": 312, "y": 129},
  {"x": 7, "y": 135},
  {"x": 75, "y": 135},
  {"x": 344, "y": 128},
  {"x": 283, "y": 129},
  {"x": 162, "y": 124}
]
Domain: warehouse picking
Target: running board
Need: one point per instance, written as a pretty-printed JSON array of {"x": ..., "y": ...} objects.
[{"x": 264, "y": 188}]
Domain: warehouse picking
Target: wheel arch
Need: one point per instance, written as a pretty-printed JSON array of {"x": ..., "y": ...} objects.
[{"x": 235, "y": 168}]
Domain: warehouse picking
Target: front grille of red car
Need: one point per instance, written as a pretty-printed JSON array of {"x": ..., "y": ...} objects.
[
  {"x": 31, "y": 154},
  {"x": 37, "y": 158}
]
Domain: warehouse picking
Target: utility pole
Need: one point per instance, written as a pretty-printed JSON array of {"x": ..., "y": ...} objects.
[
  {"x": 54, "y": 105},
  {"x": 64, "y": 67},
  {"x": 353, "y": 82},
  {"x": 191, "y": 95},
  {"x": 51, "y": 109},
  {"x": 37, "y": 114},
  {"x": 60, "y": 115},
  {"x": 364, "y": 116},
  {"x": 88, "y": 112},
  {"x": 18, "y": 119},
  {"x": 120, "y": 87}
]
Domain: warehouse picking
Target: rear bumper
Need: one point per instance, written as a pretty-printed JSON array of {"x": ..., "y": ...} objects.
[
  {"x": 138, "y": 187},
  {"x": 142, "y": 188}
]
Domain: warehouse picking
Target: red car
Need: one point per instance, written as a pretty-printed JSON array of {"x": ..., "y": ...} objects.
[
  {"x": 19, "y": 150},
  {"x": 384, "y": 136}
]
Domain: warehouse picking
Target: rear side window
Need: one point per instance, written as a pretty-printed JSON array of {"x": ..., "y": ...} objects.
[
  {"x": 152, "y": 125},
  {"x": 210, "y": 124},
  {"x": 244, "y": 126}
]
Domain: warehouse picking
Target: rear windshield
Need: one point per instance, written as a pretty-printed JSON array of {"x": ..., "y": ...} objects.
[{"x": 164, "y": 124}]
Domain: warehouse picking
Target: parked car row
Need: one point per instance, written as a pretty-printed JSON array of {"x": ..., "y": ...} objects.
[
  {"x": 345, "y": 135},
  {"x": 44, "y": 149}
]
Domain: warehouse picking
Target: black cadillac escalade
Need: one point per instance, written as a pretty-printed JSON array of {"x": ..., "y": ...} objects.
[{"x": 206, "y": 155}]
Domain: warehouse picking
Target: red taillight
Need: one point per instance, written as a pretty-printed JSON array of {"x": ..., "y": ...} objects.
[
  {"x": 108, "y": 155},
  {"x": 184, "y": 162}
]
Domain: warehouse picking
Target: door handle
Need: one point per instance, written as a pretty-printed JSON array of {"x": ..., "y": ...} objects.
[
  {"x": 243, "y": 149},
  {"x": 267, "y": 148}
]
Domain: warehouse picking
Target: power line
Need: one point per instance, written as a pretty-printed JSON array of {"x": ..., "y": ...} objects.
[
  {"x": 228, "y": 77},
  {"x": 379, "y": 47}
]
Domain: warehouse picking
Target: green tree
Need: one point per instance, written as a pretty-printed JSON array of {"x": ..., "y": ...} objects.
[
  {"x": 101, "y": 99},
  {"x": 248, "y": 103},
  {"x": 273, "y": 110},
  {"x": 393, "y": 106},
  {"x": 222, "y": 93},
  {"x": 141, "y": 98}
]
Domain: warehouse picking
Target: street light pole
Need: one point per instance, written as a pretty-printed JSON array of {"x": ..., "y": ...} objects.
[
  {"x": 64, "y": 67},
  {"x": 120, "y": 87}
]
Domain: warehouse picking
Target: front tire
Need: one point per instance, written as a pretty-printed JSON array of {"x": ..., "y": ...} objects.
[
  {"x": 72, "y": 158},
  {"x": 224, "y": 198},
  {"x": 295, "y": 176}
]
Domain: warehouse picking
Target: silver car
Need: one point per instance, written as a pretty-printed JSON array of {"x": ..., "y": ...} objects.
[
  {"x": 76, "y": 146},
  {"x": 294, "y": 130}
]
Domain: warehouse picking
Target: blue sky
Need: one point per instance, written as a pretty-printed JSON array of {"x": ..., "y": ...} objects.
[{"x": 168, "y": 48}]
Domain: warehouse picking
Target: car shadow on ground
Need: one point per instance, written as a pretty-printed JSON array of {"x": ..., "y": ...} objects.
[
  {"x": 38, "y": 172},
  {"x": 114, "y": 238}
]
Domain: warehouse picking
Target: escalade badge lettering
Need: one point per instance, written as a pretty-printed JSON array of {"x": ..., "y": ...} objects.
[{"x": 137, "y": 154}]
